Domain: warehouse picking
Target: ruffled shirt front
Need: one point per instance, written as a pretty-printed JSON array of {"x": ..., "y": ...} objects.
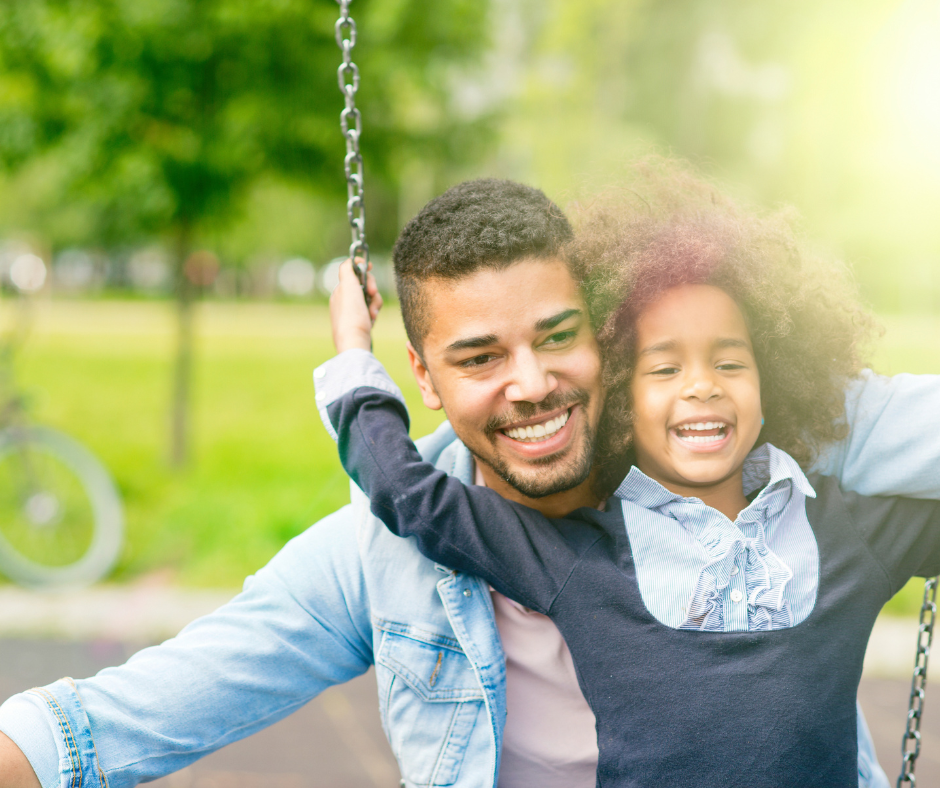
[{"x": 699, "y": 570}]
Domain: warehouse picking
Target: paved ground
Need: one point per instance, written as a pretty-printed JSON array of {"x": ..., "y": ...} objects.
[{"x": 336, "y": 741}]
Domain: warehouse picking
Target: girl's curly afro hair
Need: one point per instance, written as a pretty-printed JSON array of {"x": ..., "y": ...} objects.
[{"x": 669, "y": 228}]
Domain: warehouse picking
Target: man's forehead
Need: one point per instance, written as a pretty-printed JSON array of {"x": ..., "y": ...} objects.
[{"x": 522, "y": 297}]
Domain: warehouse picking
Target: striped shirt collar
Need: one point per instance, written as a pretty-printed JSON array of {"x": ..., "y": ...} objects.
[{"x": 766, "y": 468}]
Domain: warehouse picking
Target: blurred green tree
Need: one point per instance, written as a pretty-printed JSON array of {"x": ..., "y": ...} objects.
[
  {"x": 158, "y": 116},
  {"x": 833, "y": 107}
]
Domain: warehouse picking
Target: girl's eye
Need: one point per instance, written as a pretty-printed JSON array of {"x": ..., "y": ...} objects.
[
  {"x": 731, "y": 365},
  {"x": 477, "y": 361},
  {"x": 665, "y": 371}
]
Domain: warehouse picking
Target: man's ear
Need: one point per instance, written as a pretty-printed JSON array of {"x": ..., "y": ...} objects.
[{"x": 428, "y": 394}]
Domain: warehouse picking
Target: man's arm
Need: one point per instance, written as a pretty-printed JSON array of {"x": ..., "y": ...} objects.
[
  {"x": 15, "y": 771},
  {"x": 301, "y": 624},
  {"x": 893, "y": 445}
]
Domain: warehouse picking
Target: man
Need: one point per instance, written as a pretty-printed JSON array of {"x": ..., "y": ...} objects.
[{"x": 496, "y": 328}]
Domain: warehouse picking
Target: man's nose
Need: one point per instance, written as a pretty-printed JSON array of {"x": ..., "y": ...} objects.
[{"x": 529, "y": 381}]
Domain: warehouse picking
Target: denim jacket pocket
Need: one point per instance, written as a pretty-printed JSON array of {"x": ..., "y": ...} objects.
[{"x": 430, "y": 699}]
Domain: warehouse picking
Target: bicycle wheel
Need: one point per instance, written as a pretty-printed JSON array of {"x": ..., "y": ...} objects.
[{"x": 61, "y": 519}]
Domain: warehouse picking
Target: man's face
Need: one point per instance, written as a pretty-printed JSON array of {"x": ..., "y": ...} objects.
[{"x": 511, "y": 358}]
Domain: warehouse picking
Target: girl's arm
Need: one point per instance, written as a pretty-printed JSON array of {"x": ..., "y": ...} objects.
[
  {"x": 516, "y": 549},
  {"x": 892, "y": 446}
]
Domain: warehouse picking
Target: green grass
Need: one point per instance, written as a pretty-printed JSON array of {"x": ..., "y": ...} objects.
[{"x": 263, "y": 467}]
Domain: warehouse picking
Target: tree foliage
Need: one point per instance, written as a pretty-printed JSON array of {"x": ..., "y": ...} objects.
[
  {"x": 161, "y": 113},
  {"x": 158, "y": 115}
]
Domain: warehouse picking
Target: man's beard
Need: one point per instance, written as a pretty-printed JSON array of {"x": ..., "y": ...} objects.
[{"x": 577, "y": 463}]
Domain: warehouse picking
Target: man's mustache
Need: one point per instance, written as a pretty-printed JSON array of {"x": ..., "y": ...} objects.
[{"x": 520, "y": 411}]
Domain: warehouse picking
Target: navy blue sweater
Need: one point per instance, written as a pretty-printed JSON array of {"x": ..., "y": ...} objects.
[{"x": 773, "y": 709}]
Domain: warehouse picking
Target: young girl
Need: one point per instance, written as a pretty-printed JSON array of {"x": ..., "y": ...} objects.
[{"x": 718, "y": 610}]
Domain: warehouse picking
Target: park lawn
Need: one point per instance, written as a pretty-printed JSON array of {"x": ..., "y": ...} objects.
[{"x": 263, "y": 468}]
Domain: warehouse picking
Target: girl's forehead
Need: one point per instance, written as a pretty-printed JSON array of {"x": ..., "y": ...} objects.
[{"x": 690, "y": 312}]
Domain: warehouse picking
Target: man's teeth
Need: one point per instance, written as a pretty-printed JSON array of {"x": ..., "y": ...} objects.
[{"x": 538, "y": 432}]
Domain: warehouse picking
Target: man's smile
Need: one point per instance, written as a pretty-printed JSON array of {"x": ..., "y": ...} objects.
[
  {"x": 551, "y": 433},
  {"x": 534, "y": 431}
]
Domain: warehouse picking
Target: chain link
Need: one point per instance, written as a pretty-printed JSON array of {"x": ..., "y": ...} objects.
[
  {"x": 350, "y": 121},
  {"x": 910, "y": 744}
]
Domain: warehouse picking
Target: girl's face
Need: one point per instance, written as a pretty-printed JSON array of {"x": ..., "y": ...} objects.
[{"x": 695, "y": 389}]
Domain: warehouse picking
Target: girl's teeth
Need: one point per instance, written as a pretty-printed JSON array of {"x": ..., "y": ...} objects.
[
  {"x": 701, "y": 438},
  {"x": 537, "y": 432}
]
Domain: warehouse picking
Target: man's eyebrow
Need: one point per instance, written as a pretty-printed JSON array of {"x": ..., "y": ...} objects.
[
  {"x": 547, "y": 323},
  {"x": 473, "y": 342}
]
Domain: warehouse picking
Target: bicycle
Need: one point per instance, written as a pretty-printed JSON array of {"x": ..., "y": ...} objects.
[{"x": 61, "y": 517}]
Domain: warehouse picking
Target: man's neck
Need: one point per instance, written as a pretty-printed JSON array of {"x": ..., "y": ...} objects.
[{"x": 556, "y": 505}]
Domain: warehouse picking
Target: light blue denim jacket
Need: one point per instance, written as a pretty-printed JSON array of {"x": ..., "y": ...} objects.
[{"x": 345, "y": 595}]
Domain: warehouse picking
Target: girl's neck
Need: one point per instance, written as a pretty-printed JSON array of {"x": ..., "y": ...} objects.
[{"x": 726, "y": 496}]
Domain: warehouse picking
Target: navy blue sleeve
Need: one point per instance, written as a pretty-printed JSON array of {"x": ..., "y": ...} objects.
[
  {"x": 902, "y": 533},
  {"x": 517, "y": 550}
]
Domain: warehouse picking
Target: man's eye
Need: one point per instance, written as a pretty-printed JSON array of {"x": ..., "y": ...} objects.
[
  {"x": 561, "y": 337},
  {"x": 477, "y": 361}
]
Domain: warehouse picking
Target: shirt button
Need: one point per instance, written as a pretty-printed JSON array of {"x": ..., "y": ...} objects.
[
  {"x": 736, "y": 596},
  {"x": 319, "y": 372},
  {"x": 321, "y": 396},
  {"x": 734, "y": 570}
]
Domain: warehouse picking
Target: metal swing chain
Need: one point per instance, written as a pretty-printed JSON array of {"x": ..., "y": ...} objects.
[
  {"x": 910, "y": 744},
  {"x": 350, "y": 121}
]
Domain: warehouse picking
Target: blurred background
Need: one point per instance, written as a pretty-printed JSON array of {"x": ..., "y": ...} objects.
[
  {"x": 176, "y": 166},
  {"x": 172, "y": 207}
]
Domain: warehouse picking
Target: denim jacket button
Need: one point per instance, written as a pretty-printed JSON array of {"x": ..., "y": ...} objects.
[{"x": 467, "y": 592}]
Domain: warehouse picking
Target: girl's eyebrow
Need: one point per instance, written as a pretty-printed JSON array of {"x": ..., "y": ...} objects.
[
  {"x": 659, "y": 347},
  {"x": 671, "y": 344},
  {"x": 733, "y": 342}
]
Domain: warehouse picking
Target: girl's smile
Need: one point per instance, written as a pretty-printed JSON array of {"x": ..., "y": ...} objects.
[{"x": 696, "y": 395}]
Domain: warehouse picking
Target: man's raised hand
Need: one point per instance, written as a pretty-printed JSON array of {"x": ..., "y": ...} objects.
[{"x": 350, "y": 318}]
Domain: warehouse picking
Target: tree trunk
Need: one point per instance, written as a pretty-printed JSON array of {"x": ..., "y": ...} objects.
[{"x": 182, "y": 378}]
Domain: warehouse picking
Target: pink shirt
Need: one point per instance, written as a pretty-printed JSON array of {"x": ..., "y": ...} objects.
[{"x": 549, "y": 739}]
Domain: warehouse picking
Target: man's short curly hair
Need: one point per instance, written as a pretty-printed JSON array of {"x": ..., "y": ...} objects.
[
  {"x": 669, "y": 228},
  {"x": 484, "y": 223}
]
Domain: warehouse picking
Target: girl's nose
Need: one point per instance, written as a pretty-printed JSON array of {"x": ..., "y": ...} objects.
[{"x": 702, "y": 386}]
